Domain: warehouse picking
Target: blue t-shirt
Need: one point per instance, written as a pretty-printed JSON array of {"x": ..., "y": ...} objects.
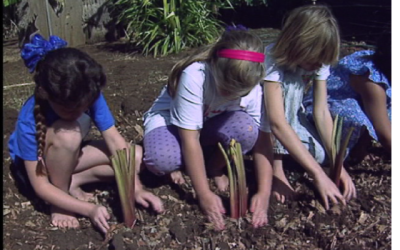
[{"x": 23, "y": 142}]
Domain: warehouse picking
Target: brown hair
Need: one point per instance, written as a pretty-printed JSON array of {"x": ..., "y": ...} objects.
[
  {"x": 310, "y": 34},
  {"x": 233, "y": 77},
  {"x": 68, "y": 77}
]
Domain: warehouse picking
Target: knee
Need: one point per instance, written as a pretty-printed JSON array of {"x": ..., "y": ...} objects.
[
  {"x": 244, "y": 130},
  {"x": 161, "y": 163},
  {"x": 65, "y": 135}
]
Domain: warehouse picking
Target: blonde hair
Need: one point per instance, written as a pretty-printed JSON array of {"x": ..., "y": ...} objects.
[
  {"x": 233, "y": 77},
  {"x": 309, "y": 34}
]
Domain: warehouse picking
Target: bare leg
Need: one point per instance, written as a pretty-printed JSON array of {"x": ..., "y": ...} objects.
[
  {"x": 101, "y": 173},
  {"x": 94, "y": 154},
  {"x": 360, "y": 150},
  {"x": 281, "y": 187},
  {"x": 62, "y": 152},
  {"x": 215, "y": 166}
]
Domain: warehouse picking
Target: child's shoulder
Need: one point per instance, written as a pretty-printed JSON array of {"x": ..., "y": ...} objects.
[
  {"x": 196, "y": 71},
  {"x": 26, "y": 113},
  {"x": 195, "y": 67}
]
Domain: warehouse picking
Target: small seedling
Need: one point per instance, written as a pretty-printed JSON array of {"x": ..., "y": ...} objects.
[
  {"x": 123, "y": 162},
  {"x": 338, "y": 149},
  {"x": 237, "y": 179}
]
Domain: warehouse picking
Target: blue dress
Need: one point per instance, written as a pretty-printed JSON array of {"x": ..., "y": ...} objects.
[{"x": 344, "y": 101}]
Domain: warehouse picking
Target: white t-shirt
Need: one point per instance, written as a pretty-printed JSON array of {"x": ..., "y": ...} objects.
[
  {"x": 196, "y": 101},
  {"x": 276, "y": 74}
]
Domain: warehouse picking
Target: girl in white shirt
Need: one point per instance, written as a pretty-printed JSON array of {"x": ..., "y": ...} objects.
[{"x": 212, "y": 96}]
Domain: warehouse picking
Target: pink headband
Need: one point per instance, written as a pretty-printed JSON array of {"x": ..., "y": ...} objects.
[{"x": 242, "y": 55}]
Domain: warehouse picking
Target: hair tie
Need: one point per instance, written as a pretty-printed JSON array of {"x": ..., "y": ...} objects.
[
  {"x": 242, "y": 55},
  {"x": 34, "y": 51},
  {"x": 41, "y": 160}
]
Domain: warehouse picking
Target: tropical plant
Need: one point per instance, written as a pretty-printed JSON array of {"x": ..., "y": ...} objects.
[
  {"x": 339, "y": 147},
  {"x": 236, "y": 3},
  {"x": 162, "y": 27},
  {"x": 7, "y": 3},
  {"x": 237, "y": 179},
  {"x": 123, "y": 162}
]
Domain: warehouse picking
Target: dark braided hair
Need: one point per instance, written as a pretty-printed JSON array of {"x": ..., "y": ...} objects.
[{"x": 69, "y": 77}]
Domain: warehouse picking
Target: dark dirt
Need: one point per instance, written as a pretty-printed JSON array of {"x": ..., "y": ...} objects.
[{"x": 134, "y": 82}]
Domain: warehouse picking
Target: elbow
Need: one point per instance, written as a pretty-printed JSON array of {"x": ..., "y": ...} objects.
[
  {"x": 276, "y": 127},
  {"x": 40, "y": 191}
]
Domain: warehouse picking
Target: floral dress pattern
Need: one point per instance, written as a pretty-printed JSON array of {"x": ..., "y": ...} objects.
[{"x": 344, "y": 101}]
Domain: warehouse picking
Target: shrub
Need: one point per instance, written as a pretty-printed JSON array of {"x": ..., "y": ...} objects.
[
  {"x": 237, "y": 3},
  {"x": 168, "y": 26}
]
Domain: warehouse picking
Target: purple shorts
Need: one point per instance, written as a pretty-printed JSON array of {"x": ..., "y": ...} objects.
[{"x": 162, "y": 149}]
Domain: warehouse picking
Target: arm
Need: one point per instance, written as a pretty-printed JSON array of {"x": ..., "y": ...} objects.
[
  {"x": 195, "y": 167},
  {"x": 374, "y": 101},
  {"x": 284, "y": 132},
  {"x": 194, "y": 161},
  {"x": 324, "y": 124},
  {"x": 322, "y": 116},
  {"x": 288, "y": 137},
  {"x": 263, "y": 158},
  {"x": 114, "y": 140}
]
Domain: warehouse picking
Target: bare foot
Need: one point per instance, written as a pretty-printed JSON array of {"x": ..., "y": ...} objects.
[
  {"x": 177, "y": 178},
  {"x": 63, "y": 219},
  {"x": 281, "y": 188},
  {"x": 222, "y": 182},
  {"x": 146, "y": 199},
  {"x": 78, "y": 193}
]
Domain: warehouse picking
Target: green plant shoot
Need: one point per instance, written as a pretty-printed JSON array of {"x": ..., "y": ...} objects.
[
  {"x": 237, "y": 179},
  {"x": 123, "y": 162},
  {"x": 339, "y": 147}
]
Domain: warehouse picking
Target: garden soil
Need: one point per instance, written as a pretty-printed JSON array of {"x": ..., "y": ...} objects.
[{"x": 134, "y": 81}]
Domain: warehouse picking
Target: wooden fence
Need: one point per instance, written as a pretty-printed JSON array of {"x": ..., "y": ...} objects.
[{"x": 76, "y": 21}]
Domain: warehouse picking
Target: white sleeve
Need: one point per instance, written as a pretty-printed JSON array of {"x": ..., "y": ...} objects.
[
  {"x": 323, "y": 72},
  {"x": 256, "y": 108},
  {"x": 187, "y": 105},
  {"x": 272, "y": 72}
]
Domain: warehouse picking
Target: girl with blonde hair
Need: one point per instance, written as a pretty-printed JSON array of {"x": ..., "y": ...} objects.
[
  {"x": 306, "y": 47},
  {"x": 212, "y": 96}
]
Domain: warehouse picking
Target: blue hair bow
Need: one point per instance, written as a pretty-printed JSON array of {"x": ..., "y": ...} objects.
[
  {"x": 235, "y": 27},
  {"x": 34, "y": 51}
]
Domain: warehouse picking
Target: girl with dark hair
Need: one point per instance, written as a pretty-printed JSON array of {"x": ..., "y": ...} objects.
[{"x": 47, "y": 142}]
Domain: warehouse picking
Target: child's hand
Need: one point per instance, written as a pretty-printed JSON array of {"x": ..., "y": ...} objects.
[
  {"x": 349, "y": 190},
  {"x": 99, "y": 217},
  {"x": 146, "y": 198},
  {"x": 328, "y": 190},
  {"x": 213, "y": 208},
  {"x": 259, "y": 208}
]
